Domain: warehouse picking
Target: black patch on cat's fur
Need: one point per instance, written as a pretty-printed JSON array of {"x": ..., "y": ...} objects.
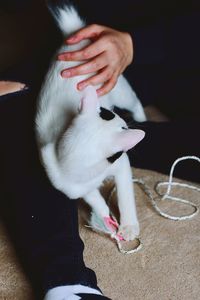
[
  {"x": 114, "y": 157},
  {"x": 106, "y": 114}
]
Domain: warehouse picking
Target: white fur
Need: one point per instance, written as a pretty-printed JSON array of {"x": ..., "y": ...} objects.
[
  {"x": 67, "y": 19},
  {"x": 69, "y": 292},
  {"x": 74, "y": 146}
]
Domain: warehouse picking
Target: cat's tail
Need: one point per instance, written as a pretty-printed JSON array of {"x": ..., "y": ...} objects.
[
  {"x": 50, "y": 162},
  {"x": 67, "y": 18}
]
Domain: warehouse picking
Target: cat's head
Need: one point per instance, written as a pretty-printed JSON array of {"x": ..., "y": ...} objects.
[{"x": 101, "y": 132}]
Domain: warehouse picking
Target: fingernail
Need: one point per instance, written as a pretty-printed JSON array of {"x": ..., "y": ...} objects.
[
  {"x": 81, "y": 86},
  {"x": 25, "y": 87},
  {"x": 99, "y": 93},
  {"x": 66, "y": 73}
]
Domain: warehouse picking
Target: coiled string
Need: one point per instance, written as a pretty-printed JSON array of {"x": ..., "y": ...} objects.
[{"x": 100, "y": 227}]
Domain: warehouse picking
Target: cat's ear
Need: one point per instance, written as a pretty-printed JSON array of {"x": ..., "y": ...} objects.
[
  {"x": 89, "y": 102},
  {"x": 127, "y": 139}
]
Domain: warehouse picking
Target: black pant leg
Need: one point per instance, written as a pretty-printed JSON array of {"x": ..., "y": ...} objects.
[{"x": 43, "y": 222}]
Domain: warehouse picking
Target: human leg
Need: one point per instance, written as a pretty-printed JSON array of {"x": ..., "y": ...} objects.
[{"x": 42, "y": 221}]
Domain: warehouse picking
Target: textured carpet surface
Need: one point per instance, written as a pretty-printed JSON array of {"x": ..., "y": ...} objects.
[{"x": 166, "y": 268}]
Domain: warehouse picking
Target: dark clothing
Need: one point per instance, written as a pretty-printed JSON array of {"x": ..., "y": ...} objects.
[
  {"x": 166, "y": 68},
  {"x": 164, "y": 143},
  {"x": 42, "y": 221}
]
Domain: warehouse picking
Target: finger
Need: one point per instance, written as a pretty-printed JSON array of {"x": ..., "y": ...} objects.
[
  {"x": 90, "y": 67},
  {"x": 99, "y": 78},
  {"x": 7, "y": 87},
  {"x": 107, "y": 87},
  {"x": 90, "y": 31},
  {"x": 88, "y": 52}
]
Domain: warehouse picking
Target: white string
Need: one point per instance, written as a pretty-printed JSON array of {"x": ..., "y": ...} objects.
[
  {"x": 161, "y": 197},
  {"x": 167, "y": 195},
  {"x": 123, "y": 251},
  {"x": 134, "y": 250},
  {"x": 154, "y": 200},
  {"x": 97, "y": 224}
]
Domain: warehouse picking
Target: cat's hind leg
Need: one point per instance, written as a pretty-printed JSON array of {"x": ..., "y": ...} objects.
[{"x": 124, "y": 97}]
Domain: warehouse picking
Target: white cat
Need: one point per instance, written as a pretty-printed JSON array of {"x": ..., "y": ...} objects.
[{"x": 81, "y": 141}]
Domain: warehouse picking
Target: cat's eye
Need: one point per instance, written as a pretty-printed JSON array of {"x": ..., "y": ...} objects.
[{"x": 125, "y": 128}]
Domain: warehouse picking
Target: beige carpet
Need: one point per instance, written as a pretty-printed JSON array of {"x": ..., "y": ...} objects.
[{"x": 167, "y": 267}]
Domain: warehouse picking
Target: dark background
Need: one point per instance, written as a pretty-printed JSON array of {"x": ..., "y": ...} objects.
[{"x": 166, "y": 67}]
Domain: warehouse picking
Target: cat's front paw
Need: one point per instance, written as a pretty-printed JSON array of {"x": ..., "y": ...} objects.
[{"x": 129, "y": 232}]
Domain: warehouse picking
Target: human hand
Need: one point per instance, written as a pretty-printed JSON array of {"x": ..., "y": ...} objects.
[
  {"x": 108, "y": 55},
  {"x": 7, "y": 87}
]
